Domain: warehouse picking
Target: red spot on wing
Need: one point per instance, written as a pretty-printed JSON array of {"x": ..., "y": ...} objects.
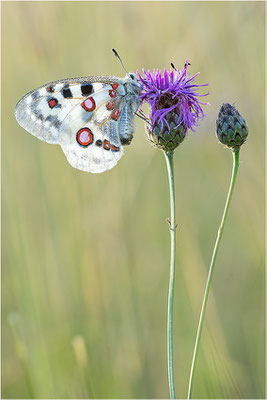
[
  {"x": 112, "y": 93},
  {"x": 115, "y": 86},
  {"x": 88, "y": 104},
  {"x": 84, "y": 137},
  {"x": 114, "y": 148},
  {"x": 115, "y": 115},
  {"x": 110, "y": 105},
  {"x": 52, "y": 103},
  {"x": 106, "y": 144},
  {"x": 50, "y": 89}
]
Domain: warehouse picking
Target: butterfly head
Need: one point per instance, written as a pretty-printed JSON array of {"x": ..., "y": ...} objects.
[
  {"x": 133, "y": 82},
  {"x": 133, "y": 76}
]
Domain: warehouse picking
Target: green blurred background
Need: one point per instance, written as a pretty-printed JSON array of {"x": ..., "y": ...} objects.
[{"x": 85, "y": 261}]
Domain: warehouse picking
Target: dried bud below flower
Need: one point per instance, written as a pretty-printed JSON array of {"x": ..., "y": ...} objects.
[{"x": 231, "y": 127}]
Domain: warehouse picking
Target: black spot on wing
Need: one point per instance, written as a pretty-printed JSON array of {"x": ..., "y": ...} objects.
[
  {"x": 66, "y": 92},
  {"x": 38, "y": 114},
  {"x": 54, "y": 121},
  {"x": 35, "y": 95},
  {"x": 86, "y": 89},
  {"x": 98, "y": 143}
]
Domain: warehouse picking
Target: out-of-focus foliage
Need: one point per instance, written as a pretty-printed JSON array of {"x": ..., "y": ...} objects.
[{"x": 85, "y": 258}]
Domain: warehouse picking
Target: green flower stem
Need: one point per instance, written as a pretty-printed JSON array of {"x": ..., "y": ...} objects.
[
  {"x": 172, "y": 223},
  {"x": 213, "y": 258}
]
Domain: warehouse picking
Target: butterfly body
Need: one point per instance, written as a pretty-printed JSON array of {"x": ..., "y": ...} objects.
[{"x": 91, "y": 118}]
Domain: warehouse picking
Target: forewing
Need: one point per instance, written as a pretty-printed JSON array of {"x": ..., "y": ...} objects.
[{"x": 43, "y": 111}]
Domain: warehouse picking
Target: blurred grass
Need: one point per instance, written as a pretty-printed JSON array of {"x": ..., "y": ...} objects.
[{"x": 87, "y": 255}]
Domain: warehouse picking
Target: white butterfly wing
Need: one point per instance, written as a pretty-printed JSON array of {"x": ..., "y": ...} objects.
[
  {"x": 42, "y": 110},
  {"x": 84, "y": 115},
  {"x": 104, "y": 153}
]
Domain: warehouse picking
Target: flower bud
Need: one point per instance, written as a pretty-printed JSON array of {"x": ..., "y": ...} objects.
[{"x": 231, "y": 127}]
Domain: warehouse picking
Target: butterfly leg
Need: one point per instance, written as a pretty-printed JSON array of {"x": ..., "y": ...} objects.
[{"x": 142, "y": 117}]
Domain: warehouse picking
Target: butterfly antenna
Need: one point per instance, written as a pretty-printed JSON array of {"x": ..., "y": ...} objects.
[
  {"x": 175, "y": 69},
  {"x": 117, "y": 55}
]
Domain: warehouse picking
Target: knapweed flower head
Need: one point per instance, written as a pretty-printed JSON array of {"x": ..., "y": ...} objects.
[
  {"x": 174, "y": 105},
  {"x": 231, "y": 127}
]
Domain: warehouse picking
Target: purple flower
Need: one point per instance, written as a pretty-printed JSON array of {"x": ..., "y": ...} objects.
[{"x": 172, "y": 92}]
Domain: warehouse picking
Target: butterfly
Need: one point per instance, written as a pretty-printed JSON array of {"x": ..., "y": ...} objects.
[{"x": 90, "y": 118}]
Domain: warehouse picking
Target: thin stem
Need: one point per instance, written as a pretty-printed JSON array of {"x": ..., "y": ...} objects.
[
  {"x": 172, "y": 223},
  {"x": 213, "y": 258}
]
